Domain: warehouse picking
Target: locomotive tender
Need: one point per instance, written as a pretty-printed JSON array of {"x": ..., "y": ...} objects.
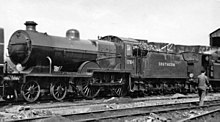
[{"x": 56, "y": 66}]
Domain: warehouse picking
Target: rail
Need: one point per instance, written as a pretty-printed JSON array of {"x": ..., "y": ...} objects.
[{"x": 112, "y": 114}]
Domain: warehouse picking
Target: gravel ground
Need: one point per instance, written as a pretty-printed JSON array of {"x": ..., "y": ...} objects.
[
  {"x": 25, "y": 111},
  {"x": 170, "y": 116}
]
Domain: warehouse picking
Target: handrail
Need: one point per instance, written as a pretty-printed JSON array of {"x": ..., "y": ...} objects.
[{"x": 50, "y": 61}]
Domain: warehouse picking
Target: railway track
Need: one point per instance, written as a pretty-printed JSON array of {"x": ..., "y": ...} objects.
[
  {"x": 121, "y": 113},
  {"x": 211, "y": 116},
  {"x": 117, "y": 114},
  {"x": 80, "y": 102}
]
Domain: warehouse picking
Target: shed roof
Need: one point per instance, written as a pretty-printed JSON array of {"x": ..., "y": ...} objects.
[{"x": 215, "y": 33}]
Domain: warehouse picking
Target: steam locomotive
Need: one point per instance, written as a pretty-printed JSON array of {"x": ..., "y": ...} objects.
[{"x": 57, "y": 66}]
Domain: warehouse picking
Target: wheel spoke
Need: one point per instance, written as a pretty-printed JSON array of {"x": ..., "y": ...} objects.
[
  {"x": 36, "y": 87},
  {"x": 85, "y": 87},
  {"x": 56, "y": 93},
  {"x": 119, "y": 91},
  {"x": 88, "y": 92},
  {"x": 29, "y": 88},
  {"x": 62, "y": 89},
  {"x": 28, "y": 96},
  {"x": 27, "y": 93}
]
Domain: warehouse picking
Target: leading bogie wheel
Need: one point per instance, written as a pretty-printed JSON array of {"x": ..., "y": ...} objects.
[
  {"x": 30, "y": 91},
  {"x": 58, "y": 90}
]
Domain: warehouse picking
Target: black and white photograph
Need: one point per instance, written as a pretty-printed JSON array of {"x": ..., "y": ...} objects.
[{"x": 110, "y": 61}]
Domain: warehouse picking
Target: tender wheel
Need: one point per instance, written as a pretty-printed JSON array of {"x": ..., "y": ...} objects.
[
  {"x": 86, "y": 89},
  {"x": 58, "y": 90},
  {"x": 30, "y": 91}
]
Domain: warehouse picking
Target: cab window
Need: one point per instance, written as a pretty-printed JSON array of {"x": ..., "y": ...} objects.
[
  {"x": 128, "y": 50},
  {"x": 139, "y": 51}
]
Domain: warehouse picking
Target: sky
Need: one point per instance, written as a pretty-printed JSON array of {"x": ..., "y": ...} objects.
[{"x": 186, "y": 22}]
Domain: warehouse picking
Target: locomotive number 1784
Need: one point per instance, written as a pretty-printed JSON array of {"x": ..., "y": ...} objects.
[{"x": 166, "y": 64}]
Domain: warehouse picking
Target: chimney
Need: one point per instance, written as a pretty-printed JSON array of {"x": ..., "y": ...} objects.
[{"x": 30, "y": 25}]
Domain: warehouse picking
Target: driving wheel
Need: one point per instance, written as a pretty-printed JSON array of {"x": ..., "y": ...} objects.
[{"x": 86, "y": 89}]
